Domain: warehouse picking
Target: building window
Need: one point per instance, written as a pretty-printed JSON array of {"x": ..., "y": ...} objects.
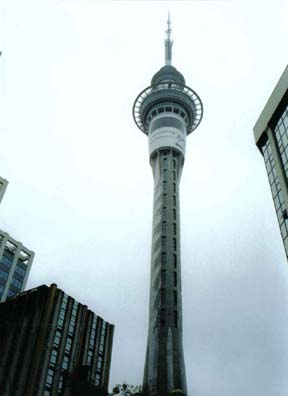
[
  {"x": 174, "y": 243},
  {"x": 164, "y": 227},
  {"x": 176, "y": 319},
  {"x": 163, "y": 296},
  {"x": 15, "y": 282},
  {"x": 20, "y": 271},
  {"x": 62, "y": 311},
  {"x": 3, "y": 275},
  {"x": 65, "y": 362},
  {"x": 164, "y": 242},
  {"x": 164, "y": 213},
  {"x": 163, "y": 277},
  {"x": 281, "y": 133},
  {"x": 62, "y": 314},
  {"x": 174, "y": 228},
  {"x": 50, "y": 375},
  {"x": 7, "y": 261},
  {"x": 164, "y": 199},
  {"x": 97, "y": 379},
  {"x": 175, "y": 278},
  {"x": 57, "y": 338},
  {"x": 53, "y": 357},
  {"x": 94, "y": 322},
  {"x": 162, "y": 317},
  {"x": 60, "y": 323},
  {"x": 163, "y": 258},
  {"x": 73, "y": 319},
  {"x": 11, "y": 293},
  {"x": 164, "y": 186},
  {"x": 68, "y": 344},
  {"x": 175, "y": 297},
  {"x": 89, "y": 357},
  {"x": 175, "y": 260},
  {"x": 165, "y": 174}
]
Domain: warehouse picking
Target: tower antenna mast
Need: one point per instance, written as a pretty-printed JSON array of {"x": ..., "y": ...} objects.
[{"x": 168, "y": 43}]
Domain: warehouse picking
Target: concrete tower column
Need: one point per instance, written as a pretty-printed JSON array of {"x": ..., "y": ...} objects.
[
  {"x": 164, "y": 367},
  {"x": 167, "y": 112}
]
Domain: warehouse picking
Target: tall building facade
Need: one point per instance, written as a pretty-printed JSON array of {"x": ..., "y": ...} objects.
[
  {"x": 167, "y": 111},
  {"x": 15, "y": 265},
  {"x": 271, "y": 137},
  {"x": 45, "y": 336},
  {"x": 15, "y": 260}
]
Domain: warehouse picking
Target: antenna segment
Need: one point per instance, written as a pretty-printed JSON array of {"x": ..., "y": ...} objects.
[{"x": 168, "y": 43}]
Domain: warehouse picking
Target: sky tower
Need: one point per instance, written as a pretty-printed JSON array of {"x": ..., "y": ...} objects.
[{"x": 167, "y": 112}]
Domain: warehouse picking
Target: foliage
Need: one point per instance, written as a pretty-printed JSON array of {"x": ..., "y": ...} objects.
[{"x": 126, "y": 390}]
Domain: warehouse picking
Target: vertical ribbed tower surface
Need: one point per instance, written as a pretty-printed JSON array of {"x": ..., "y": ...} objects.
[{"x": 167, "y": 112}]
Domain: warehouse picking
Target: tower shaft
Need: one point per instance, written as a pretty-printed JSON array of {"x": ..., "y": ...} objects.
[
  {"x": 164, "y": 366},
  {"x": 167, "y": 112}
]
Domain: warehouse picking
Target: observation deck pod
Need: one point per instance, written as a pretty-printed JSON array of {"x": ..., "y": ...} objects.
[{"x": 174, "y": 97}]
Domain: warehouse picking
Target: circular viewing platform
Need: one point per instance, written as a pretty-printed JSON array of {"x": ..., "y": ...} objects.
[{"x": 172, "y": 93}]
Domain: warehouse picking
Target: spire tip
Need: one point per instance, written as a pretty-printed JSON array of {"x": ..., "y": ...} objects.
[{"x": 168, "y": 42}]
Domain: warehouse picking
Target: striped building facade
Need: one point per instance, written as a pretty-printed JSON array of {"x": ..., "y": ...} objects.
[
  {"x": 15, "y": 264},
  {"x": 45, "y": 335},
  {"x": 271, "y": 137}
]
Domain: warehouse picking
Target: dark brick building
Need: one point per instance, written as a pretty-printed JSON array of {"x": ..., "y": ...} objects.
[{"x": 46, "y": 337}]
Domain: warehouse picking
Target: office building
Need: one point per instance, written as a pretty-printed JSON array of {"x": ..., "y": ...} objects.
[
  {"x": 45, "y": 337},
  {"x": 271, "y": 136},
  {"x": 15, "y": 265},
  {"x": 3, "y": 186},
  {"x": 167, "y": 111},
  {"x": 15, "y": 260}
]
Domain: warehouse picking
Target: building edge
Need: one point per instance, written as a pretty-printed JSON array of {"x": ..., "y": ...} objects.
[{"x": 271, "y": 108}]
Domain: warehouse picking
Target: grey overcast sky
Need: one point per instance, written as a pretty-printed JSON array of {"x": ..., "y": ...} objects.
[{"x": 80, "y": 191}]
